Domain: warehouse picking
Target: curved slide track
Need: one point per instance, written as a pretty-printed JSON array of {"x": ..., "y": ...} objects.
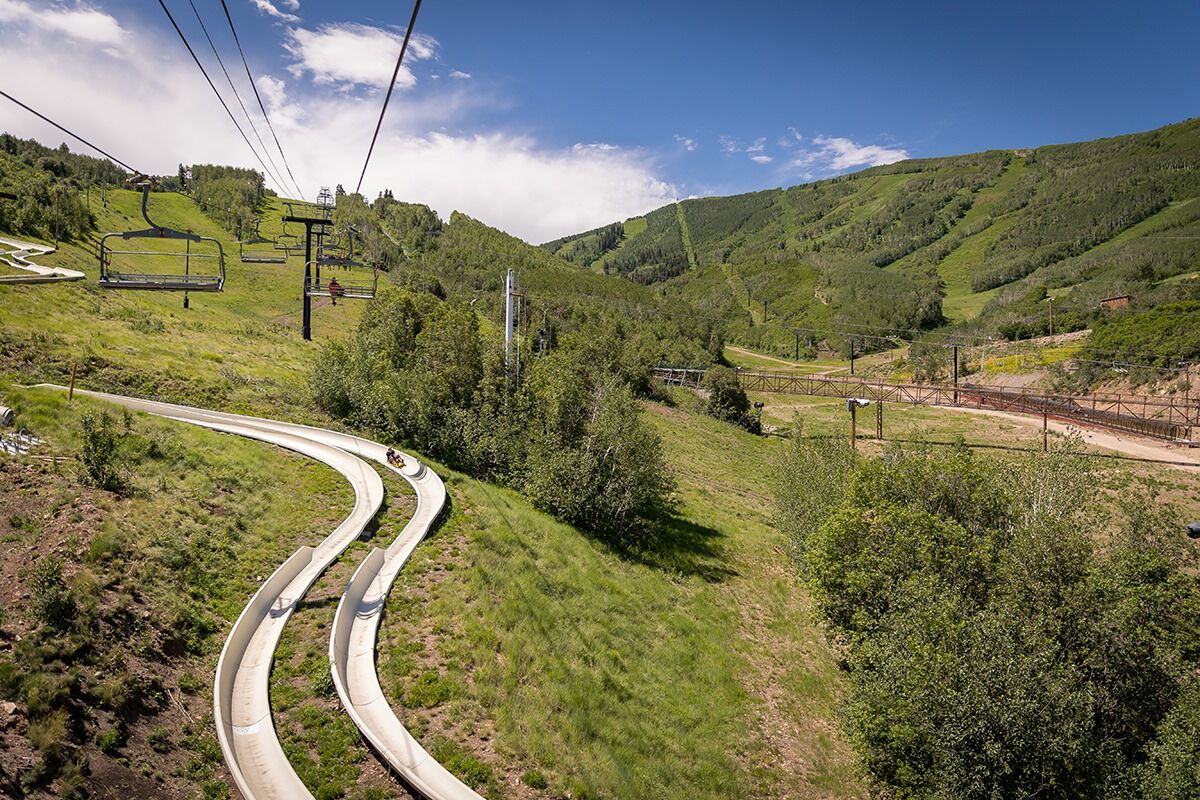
[
  {"x": 241, "y": 692},
  {"x": 16, "y": 254}
]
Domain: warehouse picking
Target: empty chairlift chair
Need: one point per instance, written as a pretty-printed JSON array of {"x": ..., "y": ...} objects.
[
  {"x": 187, "y": 281},
  {"x": 271, "y": 256}
]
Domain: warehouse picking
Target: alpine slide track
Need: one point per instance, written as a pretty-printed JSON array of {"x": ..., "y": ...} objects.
[
  {"x": 241, "y": 688},
  {"x": 1167, "y": 418}
]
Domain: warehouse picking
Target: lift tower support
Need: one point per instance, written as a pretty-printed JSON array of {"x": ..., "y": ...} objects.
[{"x": 309, "y": 223}]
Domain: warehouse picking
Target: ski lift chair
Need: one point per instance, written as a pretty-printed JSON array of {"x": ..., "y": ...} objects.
[
  {"x": 353, "y": 290},
  {"x": 185, "y": 282},
  {"x": 259, "y": 257},
  {"x": 289, "y": 243}
]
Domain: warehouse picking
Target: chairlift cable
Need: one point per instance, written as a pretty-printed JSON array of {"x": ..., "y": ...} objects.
[
  {"x": 72, "y": 134},
  {"x": 211, "y": 85},
  {"x": 274, "y": 175},
  {"x": 261, "y": 106},
  {"x": 387, "y": 98}
]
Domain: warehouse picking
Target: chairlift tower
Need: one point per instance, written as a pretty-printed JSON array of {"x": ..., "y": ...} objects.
[{"x": 512, "y": 321}]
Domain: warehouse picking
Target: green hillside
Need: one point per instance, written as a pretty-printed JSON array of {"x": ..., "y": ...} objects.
[
  {"x": 143, "y": 718},
  {"x": 968, "y": 241}
]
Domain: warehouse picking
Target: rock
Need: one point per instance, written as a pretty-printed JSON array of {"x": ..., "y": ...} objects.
[{"x": 10, "y": 714}]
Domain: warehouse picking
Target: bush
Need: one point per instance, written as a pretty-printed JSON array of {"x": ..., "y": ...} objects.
[
  {"x": 466, "y": 767},
  {"x": 608, "y": 477},
  {"x": 726, "y": 398},
  {"x": 110, "y": 740},
  {"x": 812, "y": 482},
  {"x": 535, "y": 780},
  {"x": 992, "y": 652},
  {"x": 159, "y": 739},
  {"x": 50, "y": 600},
  {"x": 100, "y": 452},
  {"x": 568, "y": 430}
]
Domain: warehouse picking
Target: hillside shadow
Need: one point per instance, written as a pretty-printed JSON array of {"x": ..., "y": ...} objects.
[{"x": 670, "y": 543}]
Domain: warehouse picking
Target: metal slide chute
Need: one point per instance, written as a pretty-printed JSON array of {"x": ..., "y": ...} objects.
[{"x": 185, "y": 281}]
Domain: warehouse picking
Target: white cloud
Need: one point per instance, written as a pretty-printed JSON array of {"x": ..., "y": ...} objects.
[
  {"x": 688, "y": 144},
  {"x": 347, "y": 54},
  {"x": 791, "y": 140},
  {"x": 729, "y": 144},
  {"x": 759, "y": 145},
  {"x": 761, "y": 159},
  {"x": 80, "y": 22},
  {"x": 268, "y": 8},
  {"x": 844, "y": 153},
  {"x": 460, "y": 75},
  {"x": 513, "y": 182},
  {"x": 832, "y": 154}
]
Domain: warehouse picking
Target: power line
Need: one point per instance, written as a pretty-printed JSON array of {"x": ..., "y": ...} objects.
[
  {"x": 213, "y": 86},
  {"x": 203, "y": 27},
  {"x": 73, "y": 135},
  {"x": 392, "y": 85},
  {"x": 261, "y": 106}
]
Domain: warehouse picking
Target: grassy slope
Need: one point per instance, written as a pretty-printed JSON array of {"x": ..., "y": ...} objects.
[
  {"x": 240, "y": 347},
  {"x": 693, "y": 669},
  {"x": 206, "y": 517}
]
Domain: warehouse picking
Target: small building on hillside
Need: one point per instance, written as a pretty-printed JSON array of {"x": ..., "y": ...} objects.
[{"x": 1111, "y": 303}]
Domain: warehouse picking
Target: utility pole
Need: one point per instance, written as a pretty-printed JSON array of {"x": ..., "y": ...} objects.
[
  {"x": 1045, "y": 432},
  {"x": 1050, "y": 300},
  {"x": 851, "y": 356},
  {"x": 797, "y": 347},
  {"x": 955, "y": 374},
  {"x": 879, "y": 420}
]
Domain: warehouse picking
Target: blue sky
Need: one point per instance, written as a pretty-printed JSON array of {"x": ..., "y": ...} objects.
[{"x": 548, "y": 117}]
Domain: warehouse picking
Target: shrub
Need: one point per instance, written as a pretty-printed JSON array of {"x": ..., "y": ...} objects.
[
  {"x": 110, "y": 740},
  {"x": 992, "y": 652},
  {"x": 159, "y": 739},
  {"x": 428, "y": 690},
  {"x": 469, "y": 769},
  {"x": 726, "y": 398},
  {"x": 812, "y": 482},
  {"x": 50, "y": 600},
  {"x": 568, "y": 430},
  {"x": 100, "y": 451},
  {"x": 534, "y": 780},
  {"x": 607, "y": 478}
]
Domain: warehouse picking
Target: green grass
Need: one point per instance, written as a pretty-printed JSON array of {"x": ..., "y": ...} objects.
[
  {"x": 241, "y": 346},
  {"x": 748, "y": 359},
  {"x": 692, "y": 668}
]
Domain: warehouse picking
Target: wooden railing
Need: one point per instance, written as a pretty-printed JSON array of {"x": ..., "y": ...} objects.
[{"x": 1161, "y": 417}]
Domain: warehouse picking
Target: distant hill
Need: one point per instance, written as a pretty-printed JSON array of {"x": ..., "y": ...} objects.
[{"x": 977, "y": 240}]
